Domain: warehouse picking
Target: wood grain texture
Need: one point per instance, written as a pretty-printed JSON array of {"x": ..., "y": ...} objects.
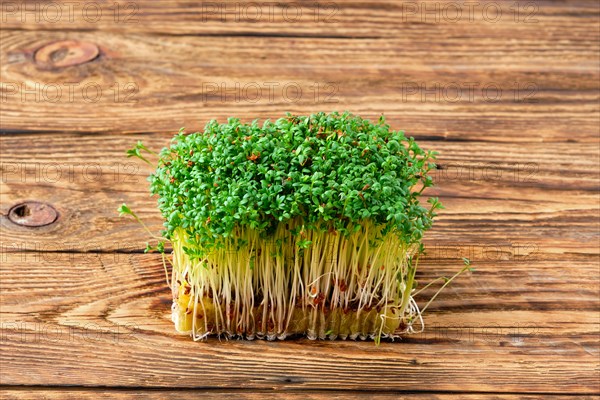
[
  {"x": 506, "y": 202},
  {"x": 531, "y": 322},
  {"x": 546, "y": 91},
  {"x": 91, "y": 332},
  {"x": 342, "y": 18},
  {"x": 84, "y": 314},
  {"x": 77, "y": 394}
]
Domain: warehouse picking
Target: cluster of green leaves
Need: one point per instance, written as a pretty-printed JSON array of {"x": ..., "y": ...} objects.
[{"x": 330, "y": 171}]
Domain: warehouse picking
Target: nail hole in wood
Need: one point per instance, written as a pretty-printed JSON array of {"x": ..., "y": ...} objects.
[{"x": 22, "y": 211}]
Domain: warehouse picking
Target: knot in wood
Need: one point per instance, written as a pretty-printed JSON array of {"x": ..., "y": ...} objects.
[
  {"x": 33, "y": 214},
  {"x": 66, "y": 53}
]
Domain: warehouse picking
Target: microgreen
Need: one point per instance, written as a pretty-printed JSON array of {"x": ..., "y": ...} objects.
[
  {"x": 331, "y": 171},
  {"x": 136, "y": 151},
  {"x": 125, "y": 210},
  {"x": 274, "y": 225}
]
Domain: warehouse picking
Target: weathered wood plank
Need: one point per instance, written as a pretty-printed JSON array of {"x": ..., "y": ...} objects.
[
  {"x": 546, "y": 91},
  {"x": 46, "y": 283},
  {"x": 184, "y": 394},
  {"x": 319, "y": 19},
  {"x": 80, "y": 306},
  {"x": 116, "y": 313},
  {"x": 506, "y": 202}
]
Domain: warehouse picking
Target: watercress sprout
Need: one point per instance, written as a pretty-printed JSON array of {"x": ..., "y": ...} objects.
[{"x": 305, "y": 225}]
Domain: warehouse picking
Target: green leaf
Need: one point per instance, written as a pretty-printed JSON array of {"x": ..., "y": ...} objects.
[{"x": 123, "y": 210}]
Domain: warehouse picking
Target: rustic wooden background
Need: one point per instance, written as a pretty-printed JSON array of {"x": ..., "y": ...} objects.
[{"x": 507, "y": 92}]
